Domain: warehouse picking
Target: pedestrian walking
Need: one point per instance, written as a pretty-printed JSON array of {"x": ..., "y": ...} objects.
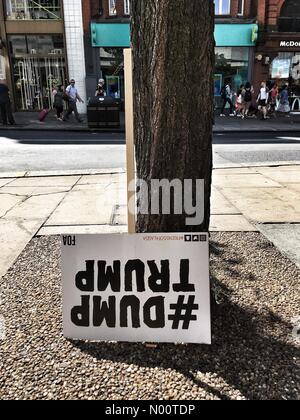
[
  {"x": 262, "y": 100},
  {"x": 248, "y": 97},
  {"x": 274, "y": 93},
  {"x": 72, "y": 96},
  {"x": 240, "y": 102},
  {"x": 227, "y": 95},
  {"x": 100, "y": 92},
  {"x": 5, "y": 104},
  {"x": 58, "y": 102},
  {"x": 284, "y": 105}
]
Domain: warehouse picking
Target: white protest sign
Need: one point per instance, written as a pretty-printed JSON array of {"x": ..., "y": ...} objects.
[{"x": 137, "y": 288}]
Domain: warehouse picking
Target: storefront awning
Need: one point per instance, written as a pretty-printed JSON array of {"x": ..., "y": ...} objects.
[
  {"x": 226, "y": 35},
  {"x": 236, "y": 35},
  {"x": 110, "y": 35}
]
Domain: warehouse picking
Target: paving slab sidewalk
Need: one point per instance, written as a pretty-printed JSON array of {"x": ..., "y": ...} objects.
[{"x": 242, "y": 199}]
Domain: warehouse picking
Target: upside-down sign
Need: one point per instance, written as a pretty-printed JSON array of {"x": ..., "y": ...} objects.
[{"x": 137, "y": 288}]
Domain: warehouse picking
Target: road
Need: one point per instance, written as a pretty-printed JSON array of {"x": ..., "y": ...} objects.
[{"x": 52, "y": 151}]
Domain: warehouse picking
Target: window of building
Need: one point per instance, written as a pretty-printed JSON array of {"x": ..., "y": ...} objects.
[
  {"x": 33, "y": 9},
  {"x": 241, "y": 7},
  {"x": 112, "y": 5},
  {"x": 289, "y": 20},
  {"x": 285, "y": 69},
  {"x": 21, "y": 45},
  {"x": 127, "y": 7},
  {"x": 232, "y": 66},
  {"x": 222, "y": 7},
  {"x": 38, "y": 66}
]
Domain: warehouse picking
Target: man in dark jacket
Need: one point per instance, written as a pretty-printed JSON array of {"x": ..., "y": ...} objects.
[{"x": 5, "y": 104}]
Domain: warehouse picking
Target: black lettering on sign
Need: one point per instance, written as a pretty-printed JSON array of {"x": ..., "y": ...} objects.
[
  {"x": 109, "y": 276},
  {"x": 139, "y": 267},
  {"x": 157, "y": 303},
  {"x": 85, "y": 279},
  {"x": 159, "y": 281},
  {"x": 80, "y": 315},
  {"x": 69, "y": 240},
  {"x": 133, "y": 303},
  {"x": 104, "y": 311},
  {"x": 152, "y": 314},
  {"x": 184, "y": 285}
]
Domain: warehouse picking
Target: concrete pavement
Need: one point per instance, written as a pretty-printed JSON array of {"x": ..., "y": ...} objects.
[{"x": 243, "y": 199}]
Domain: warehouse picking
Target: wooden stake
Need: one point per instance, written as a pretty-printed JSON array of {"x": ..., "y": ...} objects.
[{"x": 129, "y": 134}]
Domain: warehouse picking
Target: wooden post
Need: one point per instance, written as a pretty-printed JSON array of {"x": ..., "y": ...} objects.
[{"x": 129, "y": 134}]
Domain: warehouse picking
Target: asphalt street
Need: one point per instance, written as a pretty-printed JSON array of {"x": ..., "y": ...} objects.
[{"x": 52, "y": 151}]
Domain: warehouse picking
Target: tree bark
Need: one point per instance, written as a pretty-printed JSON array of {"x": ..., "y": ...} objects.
[{"x": 173, "y": 61}]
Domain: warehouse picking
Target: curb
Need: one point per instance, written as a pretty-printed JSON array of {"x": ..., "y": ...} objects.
[
  {"x": 44, "y": 174},
  {"x": 123, "y": 131},
  {"x": 115, "y": 171},
  {"x": 262, "y": 130},
  {"x": 62, "y": 129}
]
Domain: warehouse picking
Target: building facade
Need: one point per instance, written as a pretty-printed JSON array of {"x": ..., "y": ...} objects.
[
  {"x": 41, "y": 44},
  {"x": 256, "y": 40},
  {"x": 107, "y": 33},
  {"x": 277, "y": 57},
  {"x": 235, "y": 34}
]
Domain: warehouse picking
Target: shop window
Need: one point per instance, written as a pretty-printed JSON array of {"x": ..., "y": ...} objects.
[
  {"x": 232, "y": 66},
  {"x": 18, "y": 45},
  {"x": 112, "y": 71},
  {"x": 289, "y": 20},
  {"x": 222, "y": 7},
  {"x": 112, "y": 4},
  {"x": 285, "y": 69},
  {"x": 33, "y": 9},
  {"x": 21, "y": 45},
  {"x": 38, "y": 66}
]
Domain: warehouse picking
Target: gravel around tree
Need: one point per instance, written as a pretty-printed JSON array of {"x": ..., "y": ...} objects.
[{"x": 255, "y": 351}]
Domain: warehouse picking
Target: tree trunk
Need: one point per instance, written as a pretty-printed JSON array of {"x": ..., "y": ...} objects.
[{"x": 173, "y": 60}]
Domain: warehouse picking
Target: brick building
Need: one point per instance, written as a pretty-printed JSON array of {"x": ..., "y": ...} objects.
[
  {"x": 235, "y": 33},
  {"x": 256, "y": 40},
  {"x": 110, "y": 33},
  {"x": 277, "y": 56},
  {"x": 106, "y": 27}
]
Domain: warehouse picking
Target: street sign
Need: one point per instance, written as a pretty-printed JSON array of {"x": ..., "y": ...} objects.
[{"x": 137, "y": 288}]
